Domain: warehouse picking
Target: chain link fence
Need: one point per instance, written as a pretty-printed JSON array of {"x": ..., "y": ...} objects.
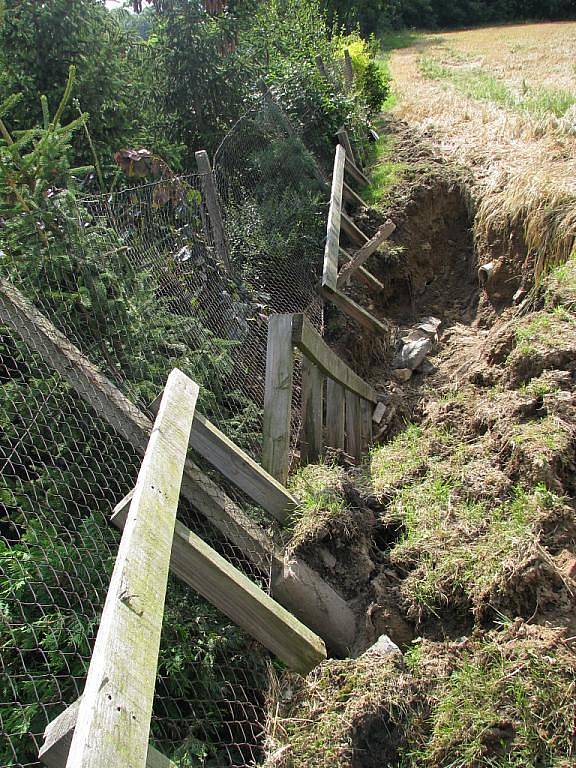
[{"x": 133, "y": 279}]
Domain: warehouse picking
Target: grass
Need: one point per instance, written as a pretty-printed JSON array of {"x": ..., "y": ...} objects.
[
  {"x": 385, "y": 173},
  {"x": 537, "y": 336},
  {"x": 318, "y": 491},
  {"x": 460, "y": 553},
  {"x": 543, "y": 441},
  {"x": 390, "y": 463},
  {"x": 394, "y": 40},
  {"x": 503, "y": 701},
  {"x": 561, "y": 285},
  {"x": 505, "y": 705},
  {"x": 478, "y": 83}
]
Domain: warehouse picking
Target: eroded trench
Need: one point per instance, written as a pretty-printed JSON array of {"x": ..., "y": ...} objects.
[{"x": 431, "y": 268}]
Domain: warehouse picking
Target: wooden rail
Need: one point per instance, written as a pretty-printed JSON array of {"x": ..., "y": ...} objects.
[
  {"x": 349, "y": 400},
  {"x": 113, "y": 723},
  {"x": 334, "y": 280}
]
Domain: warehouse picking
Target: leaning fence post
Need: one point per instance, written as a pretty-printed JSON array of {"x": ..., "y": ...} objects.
[
  {"x": 348, "y": 71},
  {"x": 113, "y": 725},
  {"x": 278, "y": 397},
  {"x": 344, "y": 141},
  {"x": 213, "y": 204}
]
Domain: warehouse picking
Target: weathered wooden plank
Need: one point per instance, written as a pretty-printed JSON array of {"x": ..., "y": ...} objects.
[
  {"x": 353, "y": 441},
  {"x": 312, "y": 412},
  {"x": 299, "y": 589},
  {"x": 366, "y": 410},
  {"x": 362, "y": 274},
  {"x": 344, "y": 141},
  {"x": 330, "y": 272},
  {"x": 113, "y": 724},
  {"x": 278, "y": 397},
  {"x": 356, "y": 173},
  {"x": 214, "y": 211},
  {"x": 313, "y": 346},
  {"x": 58, "y": 737},
  {"x": 352, "y": 231},
  {"x": 335, "y": 415},
  {"x": 364, "y": 253},
  {"x": 353, "y": 310},
  {"x": 201, "y": 567},
  {"x": 237, "y": 466},
  {"x": 353, "y": 197},
  {"x": 128, "y": 421}
]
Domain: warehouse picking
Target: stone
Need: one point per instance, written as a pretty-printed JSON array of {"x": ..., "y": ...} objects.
[
  {"x": 414, "y": 353},
  {"x": 414, "y": 335},
  {"x": 383, "y": 647},
  {"x": 402, "y": 374},
  {"x": 379, "y": 412},
  {"x": 427, "y": 368}
]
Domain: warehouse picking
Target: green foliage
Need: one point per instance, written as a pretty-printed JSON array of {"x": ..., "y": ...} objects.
[{"x": 38, "y": 44}]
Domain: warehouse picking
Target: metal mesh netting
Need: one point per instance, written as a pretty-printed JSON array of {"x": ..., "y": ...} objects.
[
  {"x": 134, "y": 281},
  {"x": 62, "y": 469},
  {"x": 274, "y": 208}
]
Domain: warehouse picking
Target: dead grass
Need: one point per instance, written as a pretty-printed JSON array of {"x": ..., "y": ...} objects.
[
  {"x": 503, "y": 701},
  {"x": 523, "y": 159}
]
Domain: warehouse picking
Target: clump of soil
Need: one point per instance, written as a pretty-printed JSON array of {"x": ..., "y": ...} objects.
[{"x": 501, "y": 699}]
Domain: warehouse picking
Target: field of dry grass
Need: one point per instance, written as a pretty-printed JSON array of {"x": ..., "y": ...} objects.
[{"x": 502, "y": 102}]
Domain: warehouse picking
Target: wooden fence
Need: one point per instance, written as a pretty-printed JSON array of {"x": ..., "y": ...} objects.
[
  {"x": 112, "y": 722},
  {"x": 116, "y": 704},
  {"x": 335, "y": 279},
  {"x": 339, "y": 418}
]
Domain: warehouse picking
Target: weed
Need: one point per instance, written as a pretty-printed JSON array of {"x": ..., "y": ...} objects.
[
  {"x": 385, "y": 174},
  {"x": 318, "y": 490}
]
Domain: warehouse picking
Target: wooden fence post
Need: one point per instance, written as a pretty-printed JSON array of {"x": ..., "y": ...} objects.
[
  {"x": 113, "y": 725},
  {"x": 335, "y": 416},
  {"x": 353, "y": 443},
  {"x": 330, "y": 273},
  {"x": 366, "y": 411},
  {"x": 344, "y": 141},
  {"x": 320, "y": 66},
  {"x": 214, "y": 211},
  {"x": 312, "y": 412},
  {"x": 278, "y": 397},
  {"x": 348, "y": 71}
]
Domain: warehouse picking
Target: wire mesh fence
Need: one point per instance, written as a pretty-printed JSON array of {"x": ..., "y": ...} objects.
[{"x": 134, "y": 281}]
